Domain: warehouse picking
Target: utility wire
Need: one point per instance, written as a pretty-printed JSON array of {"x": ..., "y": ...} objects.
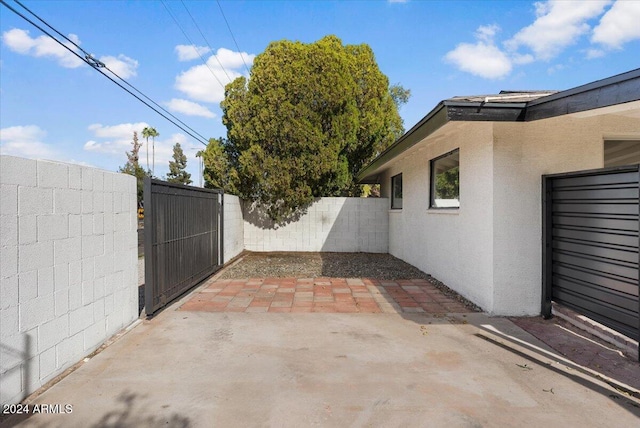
[
  {"x": 98, "y": 65},
  {"x": 206, "y": 41},
  {"x": 232, "y": 36},
  {"x": 193, "y": 44}
]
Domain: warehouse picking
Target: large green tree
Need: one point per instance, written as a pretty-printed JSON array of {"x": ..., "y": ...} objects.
[
  {"x": 132, "y": 167},
  {"x": 177, "y": 167},
  {"x": 309, "y": 118}
]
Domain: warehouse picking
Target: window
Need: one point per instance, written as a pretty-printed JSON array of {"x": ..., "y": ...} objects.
[
  {"x": 621, "y": 152},
  {"x": 445, "y": 180},
  {"x": 396, "y": 192}
]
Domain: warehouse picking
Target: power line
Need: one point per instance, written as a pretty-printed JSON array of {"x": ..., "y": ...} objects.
[
  {"x": 193, "y": 44},
  {"x": 206, "y": 41},
  {"x": 232, "y": 36},
  {"x": 98, "y": 65}
]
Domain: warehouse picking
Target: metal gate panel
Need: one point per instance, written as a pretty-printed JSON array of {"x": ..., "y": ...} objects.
[
  {"x": 590, "y": 248},
  {"x": 183, "y": 239}
]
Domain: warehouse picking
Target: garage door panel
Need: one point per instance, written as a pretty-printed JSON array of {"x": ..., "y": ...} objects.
[
  {"x": 604, "y": 252},
  {"x": 621, "y": 208},
  {"x": 588, "y": 291},
  {"x": 625, "y": 271},
  {"x": 616, "y": 283},
  {"x": 622, "y": 239},
  {"x": 591, "y": 245},
  {"x": 600, "y": 180},
  {"x": 620, "y": 194},
  {"x": 597, "y": 223}
]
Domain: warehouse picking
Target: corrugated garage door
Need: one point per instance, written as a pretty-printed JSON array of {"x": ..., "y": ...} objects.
[{"x": 590, "y": 247}]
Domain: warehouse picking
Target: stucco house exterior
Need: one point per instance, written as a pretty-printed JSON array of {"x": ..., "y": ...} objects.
[{"x": 464, "y": 184}]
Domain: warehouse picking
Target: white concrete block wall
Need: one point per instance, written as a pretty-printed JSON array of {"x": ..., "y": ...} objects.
[
  {"x": 233, "y": 227},
  {"x": 330, "y": 224},
  {"x": 68, "y": 276}
]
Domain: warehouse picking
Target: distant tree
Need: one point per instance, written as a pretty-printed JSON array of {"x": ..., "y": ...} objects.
[
  {"x": 132, "y": 167},
  {"x": 146, "y": 133},
  {"x": 399, "y": 94},
  {"x": 311, "y": 116},
  {"x": 177, "y": 167}
]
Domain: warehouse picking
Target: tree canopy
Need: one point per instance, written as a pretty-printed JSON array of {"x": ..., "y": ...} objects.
[
  {"x": 308, "y": 119},
  {"x": 177, "y": 167}
]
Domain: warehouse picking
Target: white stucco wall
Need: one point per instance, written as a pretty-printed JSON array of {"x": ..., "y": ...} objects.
[
  {"x": 68, "y": 273},
  {"x": 453, "y": 245},
  {"x": 523, "y": 152},
  {"x": 490, "y": 249},
  {"x": 233, "y": 227},
  {"x": 329, "y": 224}
]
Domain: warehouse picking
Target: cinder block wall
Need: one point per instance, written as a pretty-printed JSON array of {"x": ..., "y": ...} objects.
[
  {"x": 233, "y": 227},
  {"x": 330, "y": 224},
  {"x": 68, "y": 273}
]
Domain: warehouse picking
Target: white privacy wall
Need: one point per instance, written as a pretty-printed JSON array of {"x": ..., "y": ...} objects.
[
  {"x": 329, "y": 224},
  {"x": 233, "y": 227},
  {"x": 453, "y": 245},
  {"x": 68, "y": 273}
]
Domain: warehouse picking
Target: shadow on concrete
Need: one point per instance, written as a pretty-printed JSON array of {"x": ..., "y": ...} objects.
[
  {"x": 131, "y": 413},
  {"x": 128, "y": 412},
  {"x": 583, "y": 348},
  {"x": 557, "y": 364}
]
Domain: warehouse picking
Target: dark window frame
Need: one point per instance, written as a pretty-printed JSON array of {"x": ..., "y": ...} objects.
[
  {"x": 393, "y": 192},
  {"x": 432, "y": 178}
]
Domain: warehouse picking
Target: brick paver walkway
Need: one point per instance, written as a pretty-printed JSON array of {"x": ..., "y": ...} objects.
[{"x": 337, "y": 295}]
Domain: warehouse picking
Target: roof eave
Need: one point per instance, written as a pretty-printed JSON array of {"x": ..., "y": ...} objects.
[
  {"x": 444, "y": 112},
  {"x": 619, "y": 89}
]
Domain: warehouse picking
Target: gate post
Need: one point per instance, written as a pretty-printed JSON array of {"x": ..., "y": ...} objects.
[
  {"x": 148, "y": 244},
  {"x": 547, "y": 233}
]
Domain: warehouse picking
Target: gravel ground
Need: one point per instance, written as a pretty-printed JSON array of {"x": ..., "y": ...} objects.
[{"x": 334, "y": 265}]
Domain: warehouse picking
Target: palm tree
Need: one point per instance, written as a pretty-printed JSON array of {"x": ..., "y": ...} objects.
[
  {"x": 146, "y": 134},
  {"x": 151, "y": 132}
]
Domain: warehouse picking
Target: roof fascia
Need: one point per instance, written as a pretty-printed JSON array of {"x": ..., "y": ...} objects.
[{"x": 614, "y": 90}]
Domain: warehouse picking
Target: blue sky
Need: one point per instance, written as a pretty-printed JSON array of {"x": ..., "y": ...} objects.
[{"x": 52, "y": 106}]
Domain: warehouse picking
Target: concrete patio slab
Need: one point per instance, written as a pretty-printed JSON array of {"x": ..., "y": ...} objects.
[{"x": 192, "y": 369}]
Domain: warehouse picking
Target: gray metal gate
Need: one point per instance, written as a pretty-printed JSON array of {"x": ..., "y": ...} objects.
[
  {"x": 182, "y": 239},
  {"x": 590, "y": 245}
]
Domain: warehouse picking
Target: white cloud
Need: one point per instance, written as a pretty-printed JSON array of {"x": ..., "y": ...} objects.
[
  {"x": 594, "y": 53},
  {"x": 483, "y": 58},
  {"x": 116, "y": 139},
  {"x": 21, "y": 42},
  {"x": 621, "y": 24},
  {"x": 123, "y": 66},
  {"x": 558, "y": 24},
  {"x": 189, "y": 108},
  {"x": 199, "y": 83},
  {"x": 486, "y": 33},
  {"x": 522, "y": 59},
  {"x": 42, "y": 46},
  {"x": 191, "y": 52},
  {"x": 25, "y": 141}
]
